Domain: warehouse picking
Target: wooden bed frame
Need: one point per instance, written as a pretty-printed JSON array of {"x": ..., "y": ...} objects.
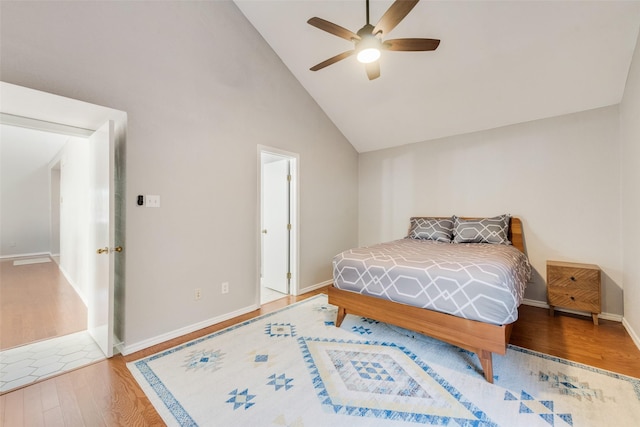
[{"x": 484, "y": 339}]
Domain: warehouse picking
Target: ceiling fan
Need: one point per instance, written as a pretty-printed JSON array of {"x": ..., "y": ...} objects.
[{"x": 368, "y": 41}]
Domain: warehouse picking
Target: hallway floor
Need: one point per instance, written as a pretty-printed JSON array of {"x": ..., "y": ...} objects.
[
  {"x": 27, "y": 364},
  {"x": 43, "y": 323},
  {"x": 37, "y": 303}
]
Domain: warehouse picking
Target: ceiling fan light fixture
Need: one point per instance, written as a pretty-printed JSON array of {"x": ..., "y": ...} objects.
[
  {"x": 368, "y": 49},
  {"x": 368, "y": 55}
]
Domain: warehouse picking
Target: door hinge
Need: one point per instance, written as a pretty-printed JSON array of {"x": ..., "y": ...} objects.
[
  {"x": 289, "y": 227},
  {"x": 289, "y": 276},
  {"x": 289, "y": 177}
]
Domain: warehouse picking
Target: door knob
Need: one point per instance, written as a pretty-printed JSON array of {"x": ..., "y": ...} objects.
[
  {"x": 103, "y": 250},
  {"x": 264, "y": 231},
  {"x": 117, "y": 249}
]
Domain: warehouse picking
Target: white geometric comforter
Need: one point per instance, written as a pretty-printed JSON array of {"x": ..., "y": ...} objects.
[{"x": 478, "y": 281}]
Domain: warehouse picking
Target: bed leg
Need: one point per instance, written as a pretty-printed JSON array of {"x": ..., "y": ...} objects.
[
  {"x": 341, "y": 313},
  {"x": 487, "y": 364}
]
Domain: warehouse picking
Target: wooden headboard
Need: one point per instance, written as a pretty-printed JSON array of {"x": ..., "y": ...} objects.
[{"x": 514, "y": 234}]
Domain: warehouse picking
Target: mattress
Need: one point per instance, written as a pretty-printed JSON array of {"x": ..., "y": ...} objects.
[{"x": 477, "y": 281}]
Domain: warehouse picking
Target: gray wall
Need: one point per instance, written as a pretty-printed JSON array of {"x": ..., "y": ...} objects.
[
  {"x": 560, "y": 176},
  {"x": 630, "y": 155},
  {"x": 202, "y": 89}
]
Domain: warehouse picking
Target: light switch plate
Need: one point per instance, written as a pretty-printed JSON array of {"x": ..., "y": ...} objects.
[{"x": 152, "y": 201}]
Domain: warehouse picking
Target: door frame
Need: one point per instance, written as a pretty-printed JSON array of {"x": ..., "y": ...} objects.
[
  {"x": 294, "y": 209},
  {"x": 30, "y": 108}
]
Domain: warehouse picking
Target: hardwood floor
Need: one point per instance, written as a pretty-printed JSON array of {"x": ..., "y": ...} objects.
[
  {"x": 606, "y": 346},
  {"x": 105, "y": 394},
  {"x": 37, "y": 303}
]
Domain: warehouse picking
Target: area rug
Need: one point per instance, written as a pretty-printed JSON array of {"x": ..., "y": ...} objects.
[{"x": 295, "y": 368}]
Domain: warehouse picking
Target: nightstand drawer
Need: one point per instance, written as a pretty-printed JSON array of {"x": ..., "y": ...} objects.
[
  {"x": 577, "y": 299},
  {"x": 573, "y": 277}
]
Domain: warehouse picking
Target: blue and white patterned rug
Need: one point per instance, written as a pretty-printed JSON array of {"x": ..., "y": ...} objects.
[{"x": 295, "y": 368}]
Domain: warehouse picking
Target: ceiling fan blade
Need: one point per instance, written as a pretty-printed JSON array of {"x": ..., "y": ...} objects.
[
  {"x": 394, "y": 15},
  {"x": 411, "y": 44},
  {"x": 332, "y": 60},
  {"x": 373, "y": 70},
  {"x": 332, "y": 28}
]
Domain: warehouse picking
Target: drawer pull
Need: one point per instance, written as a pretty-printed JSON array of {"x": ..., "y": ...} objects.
[{"x": 573, "y": 279}]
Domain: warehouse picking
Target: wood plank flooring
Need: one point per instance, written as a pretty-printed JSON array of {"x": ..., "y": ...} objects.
[
  {"x": 605, "y": 346},
  {"x": 105, "y": 394},
  {"x": 37, "y": 303}
]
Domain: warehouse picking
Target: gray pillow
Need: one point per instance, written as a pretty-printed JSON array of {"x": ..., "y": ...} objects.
[
  {"x": 484, "y": 230},
  {"x": 429, "y": 228}
]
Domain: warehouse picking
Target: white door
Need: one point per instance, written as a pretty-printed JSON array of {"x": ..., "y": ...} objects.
[
  {"x": 101, "y": 237},
  {"x": 275, "y": 226}
]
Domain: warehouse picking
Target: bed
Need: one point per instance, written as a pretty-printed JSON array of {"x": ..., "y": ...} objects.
[{"x": 459, "y": 288}]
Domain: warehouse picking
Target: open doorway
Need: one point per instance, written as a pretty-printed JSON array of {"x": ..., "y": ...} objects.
[
  {"x": 39, "y": 299},
  {"x": 44, "y": 316},
  {"x": 82, "y": 197},
  {"x": 278, "y": 224}
]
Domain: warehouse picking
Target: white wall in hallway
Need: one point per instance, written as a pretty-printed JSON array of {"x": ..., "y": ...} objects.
[
  {"x": 24, "y": 189},
  {"x": 74, "y": 214}
]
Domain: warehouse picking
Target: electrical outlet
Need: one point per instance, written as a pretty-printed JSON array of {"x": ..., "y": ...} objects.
[
  {"x": 225, "y": 287},
  {"x": 197, "y": 294}
]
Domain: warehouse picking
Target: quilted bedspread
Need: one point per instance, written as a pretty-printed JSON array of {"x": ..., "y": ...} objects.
[{"x": 478, "y": 281}]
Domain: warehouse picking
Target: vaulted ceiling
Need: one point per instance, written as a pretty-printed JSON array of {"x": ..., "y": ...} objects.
[{"x": 498, "y": 63}]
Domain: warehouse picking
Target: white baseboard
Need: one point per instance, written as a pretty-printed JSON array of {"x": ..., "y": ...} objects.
[
  {"x": 535, "y": 303},
  {"x": 55, "y": 258},
  {"x": 34, "y": 254},
  {"x": 631, "y": 332},
  {"x": 141, "y": 345},
  {"x": 314, "y": 287},
  {"x": 541, "y": 304}
]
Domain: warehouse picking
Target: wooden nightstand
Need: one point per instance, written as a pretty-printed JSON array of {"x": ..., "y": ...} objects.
[{"x": 575, "y": 286}]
